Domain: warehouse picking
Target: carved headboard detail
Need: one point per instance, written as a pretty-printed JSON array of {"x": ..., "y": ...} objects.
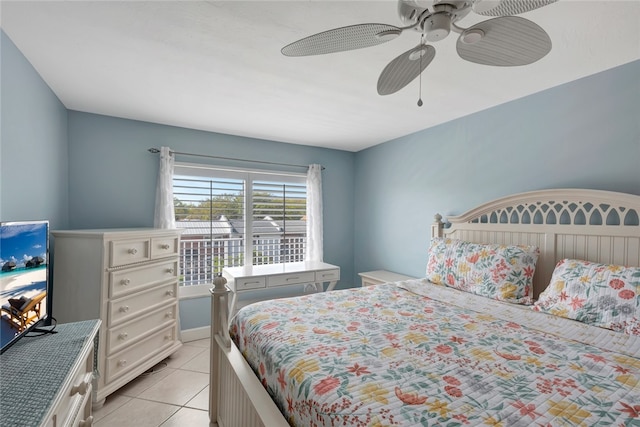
[{"x": 595, "y": 225}]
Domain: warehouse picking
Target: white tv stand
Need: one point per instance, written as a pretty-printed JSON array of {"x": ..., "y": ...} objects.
[{"x": 47, "y": 380}]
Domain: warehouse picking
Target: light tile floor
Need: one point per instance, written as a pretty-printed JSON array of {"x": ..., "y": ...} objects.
[{"x": 174, "y": 393}]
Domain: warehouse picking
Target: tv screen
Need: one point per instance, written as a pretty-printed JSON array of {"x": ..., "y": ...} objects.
[{"x": 24, "y": 278}]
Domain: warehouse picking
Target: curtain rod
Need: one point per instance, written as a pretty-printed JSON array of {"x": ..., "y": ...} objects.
[{"x": 156, "y": 151}]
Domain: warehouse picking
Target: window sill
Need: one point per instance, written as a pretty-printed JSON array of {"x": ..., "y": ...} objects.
[{"x": 195, "y": 291}]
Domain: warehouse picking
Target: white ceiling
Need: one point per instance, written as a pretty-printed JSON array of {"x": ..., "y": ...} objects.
[{"x": 217, "y": 66}]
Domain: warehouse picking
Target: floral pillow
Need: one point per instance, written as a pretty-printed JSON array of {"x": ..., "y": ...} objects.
[
  {"x": 603, "y": 295},
  {"x": 500, "y": 272}
]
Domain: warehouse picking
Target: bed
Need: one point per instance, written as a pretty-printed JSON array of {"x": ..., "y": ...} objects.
[{"x": 527, "y": 315}]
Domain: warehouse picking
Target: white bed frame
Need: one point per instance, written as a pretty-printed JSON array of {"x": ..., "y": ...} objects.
[{"x": 593, "y": 225}]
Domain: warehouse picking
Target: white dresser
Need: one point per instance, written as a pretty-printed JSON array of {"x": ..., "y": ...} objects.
[{"x": 128, "y": 278}]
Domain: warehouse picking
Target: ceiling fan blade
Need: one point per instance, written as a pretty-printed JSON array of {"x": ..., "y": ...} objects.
[
  {"x": 403, "y": 69},
  {"x": 504, "y": 41},
  {"x": 507, "y": 7},
  {"x": 342, "y": 39}
]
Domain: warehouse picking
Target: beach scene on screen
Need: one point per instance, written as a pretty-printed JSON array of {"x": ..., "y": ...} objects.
[{"x": 23, "y": 274}]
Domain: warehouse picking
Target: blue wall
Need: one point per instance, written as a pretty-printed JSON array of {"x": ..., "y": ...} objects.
[
  {"x": 584, "y": 134},
  {"x": 112, "y": 179},
  {"x": 33, "y": 153}
]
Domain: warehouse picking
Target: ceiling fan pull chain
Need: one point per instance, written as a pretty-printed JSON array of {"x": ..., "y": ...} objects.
[{"x": 420, "y": 77}]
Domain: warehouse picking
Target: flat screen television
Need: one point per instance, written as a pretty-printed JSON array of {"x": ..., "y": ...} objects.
[{"x": 24, "y": 279}]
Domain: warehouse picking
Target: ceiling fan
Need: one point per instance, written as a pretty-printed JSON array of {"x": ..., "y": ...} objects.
[{"x": 505, "y": 40}]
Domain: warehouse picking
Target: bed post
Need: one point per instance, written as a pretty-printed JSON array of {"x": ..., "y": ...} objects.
[
  {"x": 219, "y": 330},
  {"x": 437, "y": 227}
]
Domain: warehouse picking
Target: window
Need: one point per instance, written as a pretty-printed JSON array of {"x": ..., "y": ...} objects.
[{"x": 231, "y": 215}]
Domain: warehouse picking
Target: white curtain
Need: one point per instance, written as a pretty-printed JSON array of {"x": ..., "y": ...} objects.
[
  {"x": 164, "y": 215},
  {"x": 314, "y": 247}
]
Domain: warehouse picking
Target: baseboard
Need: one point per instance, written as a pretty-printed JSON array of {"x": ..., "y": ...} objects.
[{"x": 195, "y": 334}]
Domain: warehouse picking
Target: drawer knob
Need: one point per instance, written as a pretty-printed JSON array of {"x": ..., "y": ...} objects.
[
  {"x": 133, "y": 251},
  {"x": 169, "y": 314},
  {"x": 80, "y": 389},
  {"x": 124, "y": 308},
  {"x": 168, "y": 337},
  {"x": 86, "y": 423},
  {"x": 165, "y": 246},
  {"x": 293, "y": 278},
  {"x": 122, "y": 363},
  {"x": 170, "y": 270},
  {"x": 125, "y": 282},
  {"x": 170, "y": 293},
  {"x": 123, "y": 336}
]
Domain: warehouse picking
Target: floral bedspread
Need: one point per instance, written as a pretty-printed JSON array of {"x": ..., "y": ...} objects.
[{"x": 386, "y": 356}]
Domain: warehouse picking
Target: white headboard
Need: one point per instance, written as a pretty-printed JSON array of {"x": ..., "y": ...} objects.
[{"x": 594, "y": 225}]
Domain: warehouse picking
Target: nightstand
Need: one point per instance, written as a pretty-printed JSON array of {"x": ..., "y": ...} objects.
[{"x": 378, "y": 277}]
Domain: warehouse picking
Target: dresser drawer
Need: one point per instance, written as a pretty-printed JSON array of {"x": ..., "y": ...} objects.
[
  {"x": 76, "y": 394},
  {"x": 83, "y": 417},
  {"x": 126, "y": 281},
  {"x": 133, "y": 306},
  {"x": 124, "y": 252},
  {"x": 245, "y": 283},
  {"x": 291, "y": 279},
  {"x": 127, "y": 360},
  {"x": 79, "y": 413},
  {"x": 162, "y": 247},
  {"x": 327, "y": 275},
  {"x": 131, "y": 332}
]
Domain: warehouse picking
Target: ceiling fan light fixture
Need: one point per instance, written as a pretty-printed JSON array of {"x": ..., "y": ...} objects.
[
  {"x": 471, "y": 36},
  {"x": 437, "y": 26}
]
